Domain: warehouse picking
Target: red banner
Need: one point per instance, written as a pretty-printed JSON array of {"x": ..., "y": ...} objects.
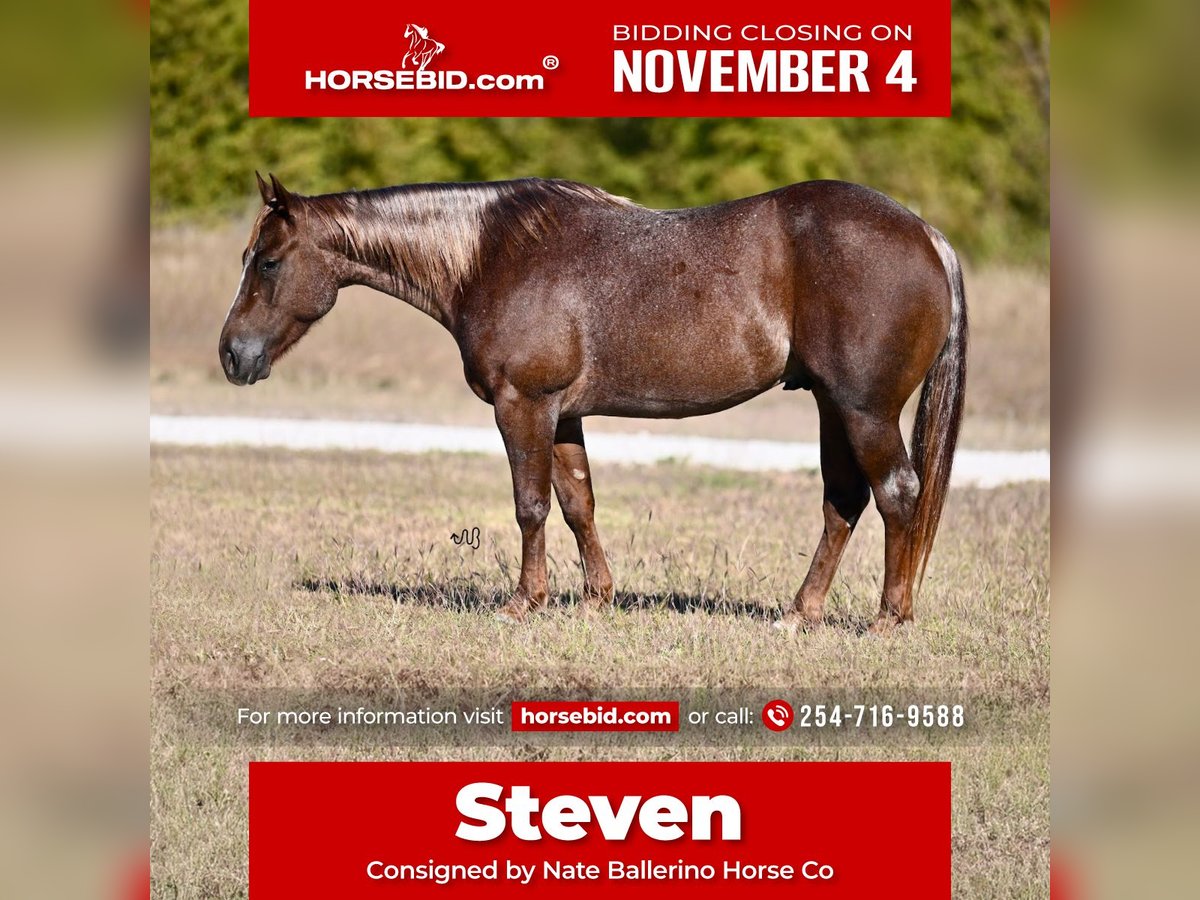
[
  {"x": 362, "y": 829},
  {"x": 700, "y": 58}
]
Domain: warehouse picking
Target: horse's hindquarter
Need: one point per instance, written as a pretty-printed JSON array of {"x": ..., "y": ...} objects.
[
  {"x": 677, "y": 313},
  {"x": 872, "y": 301}
]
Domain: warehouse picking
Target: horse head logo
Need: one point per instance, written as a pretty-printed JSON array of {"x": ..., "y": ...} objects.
[{"x": 421, "y": 47}]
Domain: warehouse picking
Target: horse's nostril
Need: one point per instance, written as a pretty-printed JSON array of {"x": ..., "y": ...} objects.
[{"x": 230, "y": 361}]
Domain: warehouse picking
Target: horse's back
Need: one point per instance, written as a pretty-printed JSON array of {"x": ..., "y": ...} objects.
[{"x": 684, "y": 312}]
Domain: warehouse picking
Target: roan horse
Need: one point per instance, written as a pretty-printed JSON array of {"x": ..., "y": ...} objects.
[{"x": 569, "y": 302}]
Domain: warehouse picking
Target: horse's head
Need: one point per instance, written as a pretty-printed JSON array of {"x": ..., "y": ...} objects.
[
  {"x": 287, "y": 284},
  {"x": 410, "y": 30}
]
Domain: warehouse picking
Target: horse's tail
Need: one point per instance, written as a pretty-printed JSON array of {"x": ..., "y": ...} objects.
[{"x": 939, "y": 414}]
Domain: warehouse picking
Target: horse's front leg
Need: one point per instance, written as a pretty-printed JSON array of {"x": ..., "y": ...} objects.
[
  {"x": 527, "y": 426},
  {"x": 572, "y": 477}
]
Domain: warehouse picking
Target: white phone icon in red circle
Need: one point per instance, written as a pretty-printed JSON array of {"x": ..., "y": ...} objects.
[{"x": 778, "y": 715}]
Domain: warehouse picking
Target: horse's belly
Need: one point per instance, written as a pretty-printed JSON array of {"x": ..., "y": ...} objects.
[
  {"x": 643, "y": 406},
  {"x": 670, "y": 379}
]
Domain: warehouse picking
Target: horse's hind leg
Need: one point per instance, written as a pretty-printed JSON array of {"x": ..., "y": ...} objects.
[
  {"x": 846, "y": 496},
  {"x": 879, "y": 448},
  {"x": 573, "y": 486}
]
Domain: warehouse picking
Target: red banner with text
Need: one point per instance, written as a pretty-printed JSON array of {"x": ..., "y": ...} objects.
[
  {"x": 382, "y": 58},
  {"x": 369, "y": 829}
]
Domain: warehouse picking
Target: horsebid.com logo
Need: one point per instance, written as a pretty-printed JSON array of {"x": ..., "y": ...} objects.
[
  {"x": 421, "y": 47},
  {"x": 413, "y": 74}
]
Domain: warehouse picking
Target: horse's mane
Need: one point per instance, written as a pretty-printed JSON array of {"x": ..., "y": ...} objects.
[{"x": 434, "y": 235}]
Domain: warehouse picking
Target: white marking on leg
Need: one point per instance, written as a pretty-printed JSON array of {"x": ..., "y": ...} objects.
[{"x": 579, "y": 473}]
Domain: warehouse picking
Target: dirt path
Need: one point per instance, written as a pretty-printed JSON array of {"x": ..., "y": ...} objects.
[{"x": 980, "y": 468}]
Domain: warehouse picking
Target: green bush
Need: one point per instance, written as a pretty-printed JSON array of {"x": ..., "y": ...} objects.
[{"x": 981, "y": 175}]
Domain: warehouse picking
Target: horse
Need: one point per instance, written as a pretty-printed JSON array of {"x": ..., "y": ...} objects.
[
  {"x": 421, "y": 48},
  {"x": 568, "y": 302}
]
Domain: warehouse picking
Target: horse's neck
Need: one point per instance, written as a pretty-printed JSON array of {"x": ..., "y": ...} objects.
[
  {"x": 388, "y": 281},
  {"x": 421, "y": 246}
]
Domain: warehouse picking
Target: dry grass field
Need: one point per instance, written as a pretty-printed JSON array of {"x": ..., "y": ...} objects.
[
  {"x": 374, "y": 357},
  {"x": 334, "y": 573}
]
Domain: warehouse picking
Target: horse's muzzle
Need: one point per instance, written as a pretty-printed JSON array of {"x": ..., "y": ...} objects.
[{"x": 245, "y": 360}]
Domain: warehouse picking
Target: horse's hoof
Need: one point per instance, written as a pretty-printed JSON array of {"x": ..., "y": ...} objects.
[
  {"x": 885, "y": 624},
  {"x": 798, "y": 620},
  {"x": 596, "y": 612},
  {"x": 598, "y": 597},
  {"x": 512, "y": 613},
  {"x": 595, "y": 603}
]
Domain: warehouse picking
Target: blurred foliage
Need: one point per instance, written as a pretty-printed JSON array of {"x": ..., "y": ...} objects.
[
  {"x": 1130, "y": 76},
  {"x": 980, "y": 175},
  {"x": 69, "y": 63}
]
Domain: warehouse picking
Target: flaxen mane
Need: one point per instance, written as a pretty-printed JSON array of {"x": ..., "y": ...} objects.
[{"x": 432, "y": 234}]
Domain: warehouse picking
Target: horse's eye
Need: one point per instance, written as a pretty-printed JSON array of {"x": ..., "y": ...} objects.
[{"x": 269, "y": 265}]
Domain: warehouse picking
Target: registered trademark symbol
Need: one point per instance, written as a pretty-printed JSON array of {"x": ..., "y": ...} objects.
[{"x": 550, "y": 62}]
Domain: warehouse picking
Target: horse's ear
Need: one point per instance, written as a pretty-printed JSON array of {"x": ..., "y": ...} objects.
[
  {"x": 265, "y": 190},
  {"x": 275, "y": 195},
  {"x": 283, "y": 197}
]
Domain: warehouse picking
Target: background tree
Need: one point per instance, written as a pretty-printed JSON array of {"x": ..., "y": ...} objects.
[{"x": 980, "y": 175}]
